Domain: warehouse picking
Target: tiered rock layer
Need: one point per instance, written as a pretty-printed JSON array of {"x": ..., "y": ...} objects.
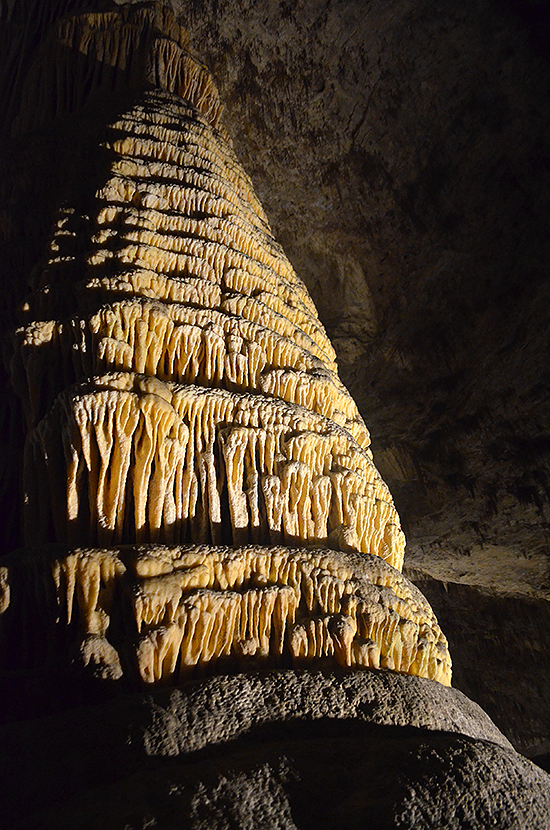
[
  {"x": 195, "y": 610},
  {"x": 190, "y": 398},
  {"x": 191, "y": 288}
]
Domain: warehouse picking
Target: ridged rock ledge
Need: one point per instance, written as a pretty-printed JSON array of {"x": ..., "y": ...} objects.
[
  {"x": 194, "y": 610},
  {"x": 202, "y": 473}
]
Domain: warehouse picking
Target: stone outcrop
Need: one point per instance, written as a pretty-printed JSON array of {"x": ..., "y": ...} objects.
[
  {"x": 200, "y": 497},
  {"x": 292, "y": 749}
]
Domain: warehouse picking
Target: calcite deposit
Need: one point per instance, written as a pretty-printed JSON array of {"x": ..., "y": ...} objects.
[
  {"x": 204, "y": 622},
  {"x": 201, "y": 609},
  {"x": 190, "y": 398}
]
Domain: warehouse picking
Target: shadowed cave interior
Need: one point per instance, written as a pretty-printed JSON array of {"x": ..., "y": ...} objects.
[{"x": 401, "y": 156}]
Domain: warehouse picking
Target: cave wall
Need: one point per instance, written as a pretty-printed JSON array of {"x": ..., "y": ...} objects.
[{"x": 401, "y": 154}]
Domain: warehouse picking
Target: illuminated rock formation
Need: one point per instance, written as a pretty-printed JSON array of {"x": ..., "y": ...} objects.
[
  {"x": 196, "y": 609},
  {"x": 191, "y": 396},
  {"x": 205, "y": 532}
]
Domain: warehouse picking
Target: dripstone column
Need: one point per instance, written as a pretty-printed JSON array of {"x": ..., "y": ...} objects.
[{"x": 206, "y": 619}]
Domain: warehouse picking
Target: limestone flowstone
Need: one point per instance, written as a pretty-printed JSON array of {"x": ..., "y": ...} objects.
[
  {"x": 195, "y": 610},
  {"x": 208, "y": 603},
  {"x": 203, "y": 474}
]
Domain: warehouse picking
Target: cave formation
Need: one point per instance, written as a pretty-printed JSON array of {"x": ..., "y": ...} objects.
[{"x": 204, "y": 553}]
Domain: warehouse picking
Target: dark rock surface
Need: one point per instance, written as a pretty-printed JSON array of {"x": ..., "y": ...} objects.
[
  {"x": 378, "y": 779},
  {"x": 401, "y": 152},
  {"x": 277, "y": 750},
  {"x": 485, "y": 627}
]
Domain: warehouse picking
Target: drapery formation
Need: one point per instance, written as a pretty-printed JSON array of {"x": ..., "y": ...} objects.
[{"x": 199, "y": 490}]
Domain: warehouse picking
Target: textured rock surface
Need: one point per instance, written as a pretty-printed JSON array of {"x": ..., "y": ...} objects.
[
  {"x": 156, "y": 614},
  {"x": 400, "y": 153},
  {"x": 514, "y": 694},
  {"x": 401, "y": 224},
  {"x": 178, "y": 386},
  {"x": 177, "y": 382},
  {"x": 292, "y": 750}
]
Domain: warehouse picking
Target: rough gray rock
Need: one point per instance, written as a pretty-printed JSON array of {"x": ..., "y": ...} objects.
[
  {"x": 277, "y": 750},
  {"x": 378, "y": 697},
  {"x": 513, "y": 692}
]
